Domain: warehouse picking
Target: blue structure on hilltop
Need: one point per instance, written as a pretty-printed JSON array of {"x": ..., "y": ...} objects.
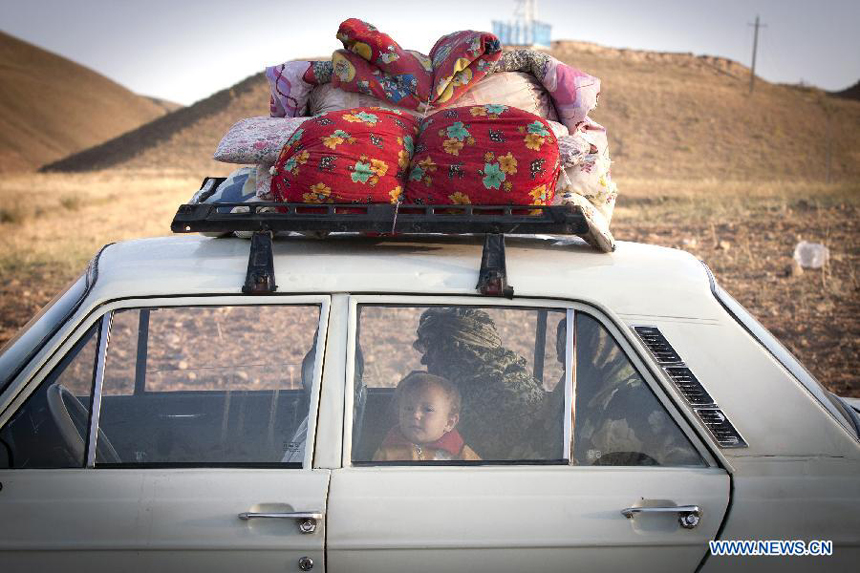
[{"x": 525, "y": 29}]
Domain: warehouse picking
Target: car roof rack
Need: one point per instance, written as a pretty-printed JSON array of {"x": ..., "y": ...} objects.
[{"x": 266, "y": 218}]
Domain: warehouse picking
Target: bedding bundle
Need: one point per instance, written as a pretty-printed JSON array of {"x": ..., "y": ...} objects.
[{"x": 466, "y": 124}]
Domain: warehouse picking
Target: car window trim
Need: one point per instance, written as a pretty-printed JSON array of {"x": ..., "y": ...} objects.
[
  {"x": 683, "y": 418},
  {"x": 95, "y": 409}
]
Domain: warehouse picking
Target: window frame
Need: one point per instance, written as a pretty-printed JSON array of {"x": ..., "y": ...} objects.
[
  {"x": 103, "y": 314},
  {"x": 619, "y": 334}
]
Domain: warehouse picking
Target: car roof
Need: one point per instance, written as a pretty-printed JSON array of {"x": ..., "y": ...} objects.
[{"x": 635, "y": 279}]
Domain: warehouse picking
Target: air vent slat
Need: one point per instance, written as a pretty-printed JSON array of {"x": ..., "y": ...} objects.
[
  {"x": 721, "y": 428},
  {"x": 689, "y": 386},
  {"x": 658, "y": 345}
]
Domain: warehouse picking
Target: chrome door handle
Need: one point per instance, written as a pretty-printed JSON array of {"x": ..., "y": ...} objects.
[
  {"x": 307, "y": 519},
  {"x": 689, "y": 517}
]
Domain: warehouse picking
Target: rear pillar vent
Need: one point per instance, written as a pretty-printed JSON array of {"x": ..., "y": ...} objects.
[
  {"x": 690, "y": 388},
  {"x": 658, "y": 345},
  {"x": 720, "y": 427}
]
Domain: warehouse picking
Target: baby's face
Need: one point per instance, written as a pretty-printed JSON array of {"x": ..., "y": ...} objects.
[{"x": 425, "y": 415}]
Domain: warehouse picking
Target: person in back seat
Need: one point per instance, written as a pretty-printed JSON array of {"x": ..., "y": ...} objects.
[
  {"x": 501, "y": 399},
  {"x": 428, "y": 410}
]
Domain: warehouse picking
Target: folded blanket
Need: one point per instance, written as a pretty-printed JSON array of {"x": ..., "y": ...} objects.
[
  {"x": 373, "y": 63},
  {"x": 586, "y": 182}
]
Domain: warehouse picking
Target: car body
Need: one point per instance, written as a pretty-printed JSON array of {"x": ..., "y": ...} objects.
[{"x": 157, "y": 418}]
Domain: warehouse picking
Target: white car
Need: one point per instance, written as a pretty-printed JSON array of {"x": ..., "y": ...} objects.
[{"x": 622, "y": 408}]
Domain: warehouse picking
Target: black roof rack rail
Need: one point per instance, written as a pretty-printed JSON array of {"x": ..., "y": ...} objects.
[
  {"x": 378, "y": 218},
  {"x": 266, "y": 218}
]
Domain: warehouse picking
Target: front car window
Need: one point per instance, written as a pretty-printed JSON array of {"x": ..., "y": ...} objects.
[
  {"x": 226, "y": 385},
  {"x": 17, "y": 351}
]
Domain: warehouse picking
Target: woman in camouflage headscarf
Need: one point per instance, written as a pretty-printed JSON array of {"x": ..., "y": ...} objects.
[{"x": 501, "y": 399}]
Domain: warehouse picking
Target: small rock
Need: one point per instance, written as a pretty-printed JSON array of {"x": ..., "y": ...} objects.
[
  {"x": 724, "y": 246},
  {"x": 793, "y": 269},
  {"x": 183, "y": 365}
]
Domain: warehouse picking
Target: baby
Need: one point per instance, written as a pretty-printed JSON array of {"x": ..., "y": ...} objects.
[{"x": 428, "y": 409}]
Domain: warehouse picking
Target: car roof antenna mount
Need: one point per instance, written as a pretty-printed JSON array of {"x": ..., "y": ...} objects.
[
  {"x": 260, "y": 278},
  {"x": 493, "y": 277}
]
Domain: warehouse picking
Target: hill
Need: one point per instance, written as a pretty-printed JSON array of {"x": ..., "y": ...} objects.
[
  {"x": 51, "y": 107},
  {"x": 852, "y": 92},
  {"x": 669, "y": 116}
]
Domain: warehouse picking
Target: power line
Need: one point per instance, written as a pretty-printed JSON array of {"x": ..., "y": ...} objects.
[{"x": 755, "y": 48}]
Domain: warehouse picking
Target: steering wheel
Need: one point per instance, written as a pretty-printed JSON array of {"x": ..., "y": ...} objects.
[{"x": 70, "y": 417}]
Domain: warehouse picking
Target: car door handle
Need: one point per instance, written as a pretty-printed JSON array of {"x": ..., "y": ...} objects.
[
  {"x": 689, "y": 515},
  {"x": 307, "y": 519}
]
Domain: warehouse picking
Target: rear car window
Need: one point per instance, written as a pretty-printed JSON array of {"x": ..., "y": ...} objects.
[{"x": 489, "y": 385}]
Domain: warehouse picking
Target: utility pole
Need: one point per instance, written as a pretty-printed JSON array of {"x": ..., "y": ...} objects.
[{"x": 755, "y": 47}]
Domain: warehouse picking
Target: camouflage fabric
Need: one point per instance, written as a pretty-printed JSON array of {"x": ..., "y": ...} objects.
[
  {"x": 501, "y": 399},
  {"x": 529, "y": 61}
]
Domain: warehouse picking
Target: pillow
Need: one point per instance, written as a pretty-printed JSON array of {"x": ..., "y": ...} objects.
[
  {"x": 256, "y": 139},
  {"x": 326, "y": 97},
  {"x": 484, "y": 155},
  {"x": 513, "y": 89},
  {"x": 350, "y": 156},
  {"x": 237, "y": 187}
]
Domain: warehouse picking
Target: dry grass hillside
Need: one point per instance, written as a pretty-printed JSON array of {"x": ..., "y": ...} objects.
[
  {"x": 51, "y": 107},
  {"x": 668, "y": 116},
  {"x": 183, "y": 140},
  {"x": 682, "y": 116}
]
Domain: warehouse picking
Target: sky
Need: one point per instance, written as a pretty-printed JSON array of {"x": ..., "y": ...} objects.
[{"x": 185, "y": 50}]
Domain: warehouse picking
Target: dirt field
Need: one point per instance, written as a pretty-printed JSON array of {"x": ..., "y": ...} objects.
[{"x": 52, "y": 224}]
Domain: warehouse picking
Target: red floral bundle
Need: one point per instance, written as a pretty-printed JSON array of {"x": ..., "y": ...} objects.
[
  {"x": 484, "y": 155},
  {"x": 357, "y": 155}
]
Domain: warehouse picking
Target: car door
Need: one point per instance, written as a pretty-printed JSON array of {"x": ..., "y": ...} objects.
[
  {"x": 205, "y": 413},
  {"x": 584, "y": 464}
]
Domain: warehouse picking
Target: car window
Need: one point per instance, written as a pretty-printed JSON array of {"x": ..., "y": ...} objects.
[
  {"x": 23, "y": 346},
  {"x": 617, "y": 418},
  {"x": 456, "y": 384},
  {"x": 50, "y": 429},
  {"x": 226, "y": 385}
]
